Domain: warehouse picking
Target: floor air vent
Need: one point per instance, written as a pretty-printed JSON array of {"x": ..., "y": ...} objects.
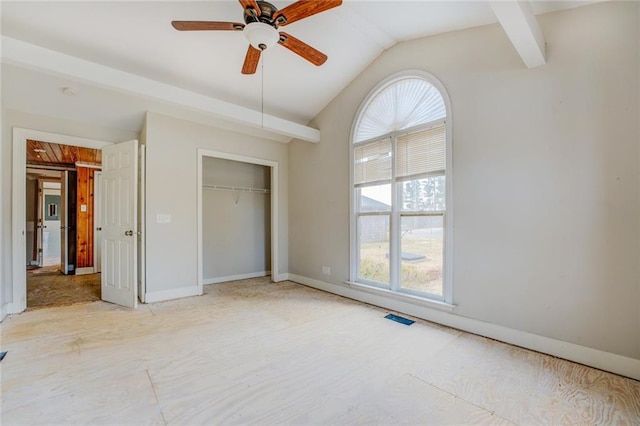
[{"x": 401, "y": 320}]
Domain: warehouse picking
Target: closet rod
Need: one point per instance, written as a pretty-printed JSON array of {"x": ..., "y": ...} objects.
[{"x": 237, "y": 188}]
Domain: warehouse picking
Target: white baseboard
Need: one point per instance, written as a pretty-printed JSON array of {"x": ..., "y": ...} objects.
[
  {"x": 84, "y": 271},
  {"x": 207, "y": 281},
  {"x": 11, "y": 308},
  {"x": 281, "y": 277},
  {"x": 607, "y": 361},
  {"x": 177, "y": 293}
]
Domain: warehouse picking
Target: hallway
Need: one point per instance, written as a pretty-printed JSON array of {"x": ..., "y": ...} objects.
[{"x": 47, "y": 287}]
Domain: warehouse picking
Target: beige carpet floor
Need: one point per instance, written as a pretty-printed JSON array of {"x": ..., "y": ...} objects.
[{"x": 253, "y": 352}]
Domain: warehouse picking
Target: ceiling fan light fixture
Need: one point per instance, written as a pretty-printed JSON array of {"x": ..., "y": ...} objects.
[{"x": 260, "y": 35}]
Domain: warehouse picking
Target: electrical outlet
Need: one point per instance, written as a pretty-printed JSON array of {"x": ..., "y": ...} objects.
[{"x": 326, "y": 270}]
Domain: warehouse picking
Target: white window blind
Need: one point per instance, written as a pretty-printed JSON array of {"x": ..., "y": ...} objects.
[
  {"x": 401, "y": 105},
  {"x": 421, "y": 153},
  {"x": 372, "y": 162}
]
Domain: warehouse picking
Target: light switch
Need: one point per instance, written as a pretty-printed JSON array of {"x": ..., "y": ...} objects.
[
  {"x": 83, "y": 207},
  {"x": 163, "y": 218}
]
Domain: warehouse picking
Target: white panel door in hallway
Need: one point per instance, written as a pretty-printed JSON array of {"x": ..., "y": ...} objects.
[
  {"x": 51, "y": 228},
  {"x": 119, "y": 224}
]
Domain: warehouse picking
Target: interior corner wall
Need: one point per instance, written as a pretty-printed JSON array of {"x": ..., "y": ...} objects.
[
  {"x": 13, "y": 118},
  {"x": 171, "y": 169},
  {"x": 546, "y": 163}
]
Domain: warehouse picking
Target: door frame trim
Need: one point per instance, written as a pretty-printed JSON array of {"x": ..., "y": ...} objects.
[
  {"x": 273, "y": 165},
  {"x": 42, "y": 180},
  {"x": 18, "y": 198},
  {"x": 39, "y": 222}
]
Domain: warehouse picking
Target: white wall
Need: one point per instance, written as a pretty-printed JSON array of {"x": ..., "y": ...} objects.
[
  {"x": 13, "y": 118},
  {"x": 235, "y": 224},
  {"x": 546, "y": 176},
  {"x": 172, "y": 186}
]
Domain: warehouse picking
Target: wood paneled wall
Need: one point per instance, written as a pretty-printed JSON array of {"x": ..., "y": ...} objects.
[{"x": 84, "y": 219}]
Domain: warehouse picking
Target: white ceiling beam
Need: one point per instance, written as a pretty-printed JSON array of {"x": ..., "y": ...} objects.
[
  {"x": 521, "y": 26},
  {"x": 20, "y": 53}
]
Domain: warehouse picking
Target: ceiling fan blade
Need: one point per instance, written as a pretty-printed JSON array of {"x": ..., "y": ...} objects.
[
  {"x": 251, "y": 61},
  {"x": 207, "y": 26},
  {"x": 303, "y": 49},
  {"x": 250, "y": 4},
  {"x": 303, "y": 9}
]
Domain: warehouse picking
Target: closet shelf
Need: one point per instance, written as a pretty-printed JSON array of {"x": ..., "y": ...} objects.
[{"x": 237, "y": 188}]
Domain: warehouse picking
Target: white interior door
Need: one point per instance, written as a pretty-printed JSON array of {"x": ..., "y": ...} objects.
[
  {"x": 52, "y": 228},
  {"x": 64, "y": 223},
  {"x": 119, "y": 223}
]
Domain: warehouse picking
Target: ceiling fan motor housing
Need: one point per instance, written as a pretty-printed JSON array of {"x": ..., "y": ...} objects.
[{"x": 267, "y": 12}]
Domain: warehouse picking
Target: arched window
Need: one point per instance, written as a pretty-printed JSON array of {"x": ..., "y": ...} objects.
[{"x": 401, "y": 187}]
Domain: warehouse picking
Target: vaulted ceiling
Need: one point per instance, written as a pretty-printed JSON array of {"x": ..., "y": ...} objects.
[{"x": 198, "y": 73}]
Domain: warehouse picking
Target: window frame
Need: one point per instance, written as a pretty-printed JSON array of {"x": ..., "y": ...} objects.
[{"x": 396, "y": 213}]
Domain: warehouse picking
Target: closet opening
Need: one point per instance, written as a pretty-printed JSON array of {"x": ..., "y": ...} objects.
[{"x": 237, "y": 233}]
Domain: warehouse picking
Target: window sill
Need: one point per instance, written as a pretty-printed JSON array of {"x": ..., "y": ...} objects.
[{"x": 416, "y": 300}]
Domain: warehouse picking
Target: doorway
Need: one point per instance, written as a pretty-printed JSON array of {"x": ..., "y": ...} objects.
[
  {"x": 60, "y": 271},
  {"x": 49, "y": 219},
  {"x": 42, "y": 209},
  {"x": 55, "y": 276},
  {"x": 236, "y": 220},
  {"x": 122, "y": 179},
  {"x": 250, "y": 202}
]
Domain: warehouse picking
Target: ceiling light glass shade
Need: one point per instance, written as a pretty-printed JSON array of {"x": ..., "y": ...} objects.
[{"x": 260, "y": 35}]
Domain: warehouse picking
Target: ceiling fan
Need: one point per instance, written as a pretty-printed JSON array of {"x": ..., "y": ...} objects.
[{"x": 262, "y": 20}]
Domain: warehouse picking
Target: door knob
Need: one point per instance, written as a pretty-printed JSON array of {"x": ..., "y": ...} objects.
[
  {"x": 99, "y": 228},
  {"x": 128, "y": 233}
]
